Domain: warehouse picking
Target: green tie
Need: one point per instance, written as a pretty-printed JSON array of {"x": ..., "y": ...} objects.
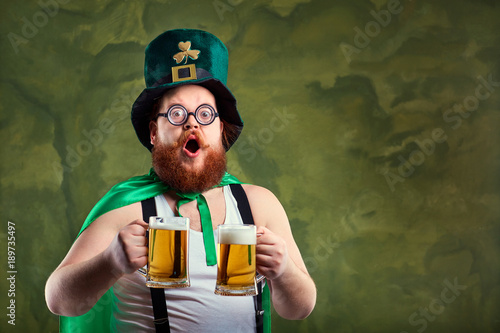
[{"x": 206, "y": 223}]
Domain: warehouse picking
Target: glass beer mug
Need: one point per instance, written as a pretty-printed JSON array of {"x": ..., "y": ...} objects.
[
  {"x": 168, "y": 252},
  {"x": 236, "y": 274}
]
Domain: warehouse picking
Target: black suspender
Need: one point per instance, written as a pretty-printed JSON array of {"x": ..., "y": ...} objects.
[
  {"x": 246, "y": 214},
  {"x": 158, "y": 294}
]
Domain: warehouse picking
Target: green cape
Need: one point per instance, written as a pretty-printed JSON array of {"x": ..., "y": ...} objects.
[{"x": 136, "y": 189}]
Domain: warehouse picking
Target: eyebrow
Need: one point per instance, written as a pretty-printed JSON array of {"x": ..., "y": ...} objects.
[{"x": 178, "y": 103}]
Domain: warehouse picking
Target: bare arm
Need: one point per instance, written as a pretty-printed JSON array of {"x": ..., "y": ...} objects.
[
  {"x": 278, "y": 257},
  {"x": 105, "y": 251}
]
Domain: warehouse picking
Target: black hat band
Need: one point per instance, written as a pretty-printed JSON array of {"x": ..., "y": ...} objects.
[{"x": 182, "y": 73}]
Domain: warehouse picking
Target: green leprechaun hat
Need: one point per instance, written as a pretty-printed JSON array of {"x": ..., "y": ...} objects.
[{"x": 180, "y": 57}]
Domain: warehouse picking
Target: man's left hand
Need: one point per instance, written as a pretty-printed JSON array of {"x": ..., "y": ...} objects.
[{"x": 271, "y": 253}]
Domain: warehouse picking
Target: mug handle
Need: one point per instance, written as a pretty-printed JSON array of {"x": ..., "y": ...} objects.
[{"x": 141, "y": 270}]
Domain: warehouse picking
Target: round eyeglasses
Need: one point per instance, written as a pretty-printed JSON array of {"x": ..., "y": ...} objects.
[{"x": 178, "y": 115}]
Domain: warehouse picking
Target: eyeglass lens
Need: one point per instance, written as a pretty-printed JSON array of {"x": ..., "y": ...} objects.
[{"x": 178, "y": 115}]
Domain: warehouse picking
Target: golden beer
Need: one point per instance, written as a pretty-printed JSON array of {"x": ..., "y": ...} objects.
[
  {"x": 168, "y": 259},
  {"x": 236, "y": 260}
]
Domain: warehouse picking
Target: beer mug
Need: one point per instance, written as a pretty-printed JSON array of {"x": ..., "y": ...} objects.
[
  {"x": 236, "y": 275},
  {"x": 168, "y": 259}
]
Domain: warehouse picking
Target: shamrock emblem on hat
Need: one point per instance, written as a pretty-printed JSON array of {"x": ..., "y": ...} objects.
[{"x": 186, "y": 52}]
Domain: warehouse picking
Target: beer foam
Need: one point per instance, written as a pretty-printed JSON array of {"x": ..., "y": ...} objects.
[
  {"x": 243, "y": 236},
  {"x": 169, "y": 223}
]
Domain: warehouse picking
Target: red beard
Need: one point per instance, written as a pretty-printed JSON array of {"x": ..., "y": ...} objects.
[{"x": 167, "y": 165}]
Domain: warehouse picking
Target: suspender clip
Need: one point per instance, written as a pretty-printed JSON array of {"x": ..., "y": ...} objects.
[{"x": 160, "y": 321}]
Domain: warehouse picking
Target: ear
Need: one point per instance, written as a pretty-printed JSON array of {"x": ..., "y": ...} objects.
[{"x": 153, "y": 130}]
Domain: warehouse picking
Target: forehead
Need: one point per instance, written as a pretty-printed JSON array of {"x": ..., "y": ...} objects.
[{"x": 188, "y": 96}]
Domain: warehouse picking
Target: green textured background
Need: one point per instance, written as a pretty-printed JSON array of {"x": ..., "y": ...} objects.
[{"x": 385, "y": 217}]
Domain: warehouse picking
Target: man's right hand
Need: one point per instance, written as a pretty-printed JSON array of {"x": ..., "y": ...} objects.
[{"x": 129, "y": 251}]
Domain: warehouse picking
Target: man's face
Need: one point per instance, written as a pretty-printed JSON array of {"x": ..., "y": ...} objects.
[
  {"x": 189, "y": 157},
  {"x": 192, "y": 154}
]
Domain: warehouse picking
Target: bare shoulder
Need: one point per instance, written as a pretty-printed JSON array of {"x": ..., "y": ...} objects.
[
  {"x": 99, "y": 234},
  {"x": 260, "y": 195},
  {"x": 115, "y": 219},
  {"x": 266, "y": 207}
]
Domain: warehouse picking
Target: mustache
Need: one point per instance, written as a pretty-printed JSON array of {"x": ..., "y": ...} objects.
[{"x": 185, "y": 137}]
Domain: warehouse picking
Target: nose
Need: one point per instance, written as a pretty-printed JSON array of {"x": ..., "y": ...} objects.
[{"x": 191, "y": 122}]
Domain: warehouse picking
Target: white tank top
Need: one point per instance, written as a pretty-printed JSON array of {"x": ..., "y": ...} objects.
[{"x": 192, "y": 309}]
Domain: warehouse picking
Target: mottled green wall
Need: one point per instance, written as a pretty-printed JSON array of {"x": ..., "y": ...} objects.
[{"x": 370, "y": 120}]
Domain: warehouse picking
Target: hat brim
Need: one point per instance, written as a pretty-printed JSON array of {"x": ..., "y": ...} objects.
[{"x": 143, "y": 106}]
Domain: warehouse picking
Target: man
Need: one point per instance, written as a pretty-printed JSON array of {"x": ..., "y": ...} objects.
[{"x": 188, "y": 118}]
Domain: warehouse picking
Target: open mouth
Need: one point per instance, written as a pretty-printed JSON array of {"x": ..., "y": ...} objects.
[{"x": 192, "y": 147}]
